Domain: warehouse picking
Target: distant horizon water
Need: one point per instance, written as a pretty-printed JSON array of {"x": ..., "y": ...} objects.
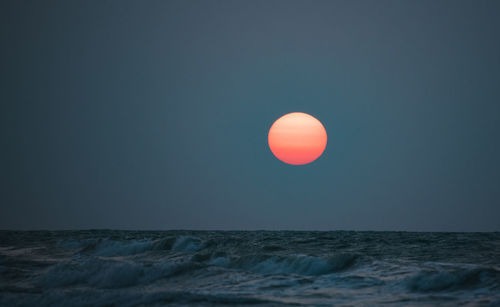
[{"x": 243, "y": 230}]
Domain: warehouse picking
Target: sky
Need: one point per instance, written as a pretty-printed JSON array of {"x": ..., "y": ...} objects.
[{"x": 154, "y": 114}]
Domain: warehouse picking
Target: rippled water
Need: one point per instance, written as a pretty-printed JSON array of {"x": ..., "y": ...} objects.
[{"x": 132, "y": 268}]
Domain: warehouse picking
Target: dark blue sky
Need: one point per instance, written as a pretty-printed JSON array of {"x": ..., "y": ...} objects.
[{"x": 154, "y": 114}]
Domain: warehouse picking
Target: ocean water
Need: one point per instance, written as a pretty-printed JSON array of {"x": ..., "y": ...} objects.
[{"x": 267, "y": 268}]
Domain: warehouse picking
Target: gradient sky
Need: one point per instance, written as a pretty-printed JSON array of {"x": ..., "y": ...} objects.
[{"x": 155, "y": 114}]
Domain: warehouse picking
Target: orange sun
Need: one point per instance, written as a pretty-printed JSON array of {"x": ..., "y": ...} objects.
[{"x": 297, "y": 138}]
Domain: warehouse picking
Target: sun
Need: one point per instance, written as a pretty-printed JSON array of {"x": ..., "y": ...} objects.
[{"x": 297, "y": 138}]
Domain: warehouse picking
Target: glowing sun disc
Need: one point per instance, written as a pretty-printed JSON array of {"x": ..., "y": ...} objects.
[{"x": 297, "y": 138}]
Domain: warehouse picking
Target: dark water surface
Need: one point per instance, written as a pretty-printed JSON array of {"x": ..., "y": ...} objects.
[{"x": 136, "y": 268}]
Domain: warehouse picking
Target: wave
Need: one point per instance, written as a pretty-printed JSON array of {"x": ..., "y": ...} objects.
[
  {"x": 116, "y": 274},
  {"x": 118, "y": 248},
  {"x": 187, "y": 243},
  {"x": 112, "y": 248},
  {"x": 134, "y": 297},
  {"x": 428, "y": 281},
  {"x": 300, "y": 265},
  {"x": 136, "y": 268},
  {"x": 108, "y": 247},
  {"x": 110, "y": 274}
]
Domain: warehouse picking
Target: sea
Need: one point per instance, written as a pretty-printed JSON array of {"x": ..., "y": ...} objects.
[{"x": 247, "y": 268}]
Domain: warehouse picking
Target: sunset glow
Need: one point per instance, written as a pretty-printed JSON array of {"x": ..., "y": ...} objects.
[{"x": 297, "y": 138}]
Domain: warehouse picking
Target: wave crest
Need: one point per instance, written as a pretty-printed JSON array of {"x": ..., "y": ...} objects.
[{"x": 301, "y": 265}]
